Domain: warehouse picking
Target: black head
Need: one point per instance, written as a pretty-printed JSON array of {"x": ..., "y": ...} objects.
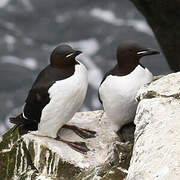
[
  {"x": 63, "y": 56},
  {"x": 129, "y": 54}
]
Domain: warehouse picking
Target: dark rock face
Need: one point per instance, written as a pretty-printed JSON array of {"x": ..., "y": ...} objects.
[{"x": 163, "y": 17}]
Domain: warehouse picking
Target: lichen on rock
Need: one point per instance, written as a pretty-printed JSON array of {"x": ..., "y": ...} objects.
[{"x": 165, "y": 87}]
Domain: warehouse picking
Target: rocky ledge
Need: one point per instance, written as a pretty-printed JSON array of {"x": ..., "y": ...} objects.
[
  {"x": 33, "y": 157},
  {"x": 156, "y": 153}
]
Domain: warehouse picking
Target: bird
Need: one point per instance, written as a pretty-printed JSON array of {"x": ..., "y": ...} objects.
[
  {"x": 119, "y": 86},
  {"x": 57, "y": 93}
]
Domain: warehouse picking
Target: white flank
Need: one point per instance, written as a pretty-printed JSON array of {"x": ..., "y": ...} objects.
[
  {"x": 118, "y": 94},
  {"x": 66, "y": 97}
]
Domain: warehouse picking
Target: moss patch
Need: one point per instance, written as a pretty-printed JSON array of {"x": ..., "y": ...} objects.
[
  {"x": 150, "y": 95},
  {"x": 114, "y": 168},
  {"x": 17, "y": 160}
]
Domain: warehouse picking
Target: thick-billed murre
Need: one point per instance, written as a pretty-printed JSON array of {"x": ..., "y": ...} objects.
[
  {"x": 120, "y": 85},
  {"x": 56, "y": 95}
]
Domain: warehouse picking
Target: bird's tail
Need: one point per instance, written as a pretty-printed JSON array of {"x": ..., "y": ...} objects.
[
  {"x": 18, "y": 119},
  {"x": 24, "y": 125}
]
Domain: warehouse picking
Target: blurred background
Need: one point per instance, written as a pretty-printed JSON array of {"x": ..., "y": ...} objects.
[{"x": 30, "y": 29}]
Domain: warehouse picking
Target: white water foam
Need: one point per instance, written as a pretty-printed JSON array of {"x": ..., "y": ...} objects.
[
  {"x": 28, "y": 62},
  {"x": 109, "y": 17},
  {"x": 3, "y": 3}
]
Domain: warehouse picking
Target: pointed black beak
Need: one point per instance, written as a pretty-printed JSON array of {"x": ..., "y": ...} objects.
[
  {"x": 73, "y": 54},
  {"x": 148, "y": 52},
  {"x": 76, "y": 53}
]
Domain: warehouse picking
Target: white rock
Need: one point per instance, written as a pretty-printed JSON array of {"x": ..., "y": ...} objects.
[
  {"x": 166, "y": 86},
  {"x": 156, "y": 154},
  {"x": 99, "y": 146}
]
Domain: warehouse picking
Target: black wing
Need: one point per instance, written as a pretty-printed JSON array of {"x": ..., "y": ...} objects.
[
  {"x": 37, "y": 99},
  {"x": 38, "y": 96}
]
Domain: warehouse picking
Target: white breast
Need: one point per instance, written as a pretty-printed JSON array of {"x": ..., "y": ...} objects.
[
  {"x": 118, "y": 94},
  {"x": 66, "y": 96}
]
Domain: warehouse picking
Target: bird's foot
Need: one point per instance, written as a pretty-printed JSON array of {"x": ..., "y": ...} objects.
[
  {"x": 77, "y": 146},
  {"x": 83, "y": 133}
]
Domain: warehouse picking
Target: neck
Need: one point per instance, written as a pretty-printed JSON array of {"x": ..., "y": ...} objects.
[
  {"x": 69, "y": 70},
  {"x": 125, "y": 69},
  {"x": 128, "y": 65}
]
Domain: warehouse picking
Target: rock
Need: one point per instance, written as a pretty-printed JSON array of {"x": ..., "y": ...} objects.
[
  {"x": 35, "y": 157},
  {"x": 157, "y": 136}
]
